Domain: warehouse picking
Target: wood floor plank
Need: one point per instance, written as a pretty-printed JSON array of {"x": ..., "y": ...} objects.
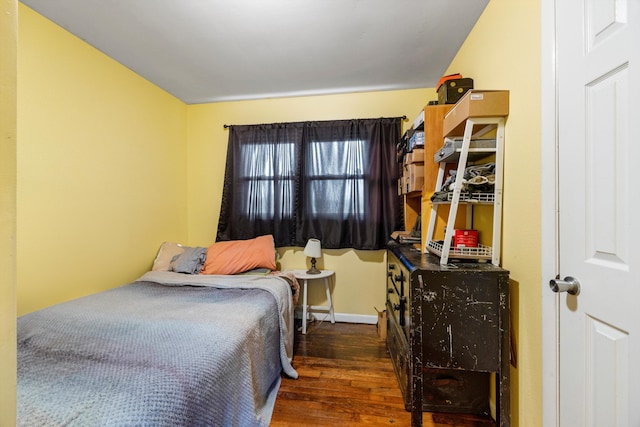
[{"x": 346, "y": 379}]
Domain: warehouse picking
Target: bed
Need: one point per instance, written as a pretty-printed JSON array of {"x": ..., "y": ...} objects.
[{"x": 169, "y": 349}]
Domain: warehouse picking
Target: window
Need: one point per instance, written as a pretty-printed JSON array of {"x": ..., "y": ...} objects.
[
  {"x": 264, "y": 174},
  {"x": 333, "y": 180},
  {"x": 337, "y": 188}
]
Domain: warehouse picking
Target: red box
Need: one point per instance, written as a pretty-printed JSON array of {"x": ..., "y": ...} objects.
[{"x": 465, "y": 239}]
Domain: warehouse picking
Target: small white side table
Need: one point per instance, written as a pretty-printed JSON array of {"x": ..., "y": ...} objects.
[{"x": 303, "y": 275}]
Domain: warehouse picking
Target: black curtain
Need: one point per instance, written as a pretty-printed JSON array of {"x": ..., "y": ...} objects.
[{"x": 332, "y": 180}]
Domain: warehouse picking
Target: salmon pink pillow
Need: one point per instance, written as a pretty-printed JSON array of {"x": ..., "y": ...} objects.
[{"x": 236, "y": 256}]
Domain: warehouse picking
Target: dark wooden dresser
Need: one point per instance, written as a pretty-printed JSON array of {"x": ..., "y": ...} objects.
[{"x": 447, "y": 331}]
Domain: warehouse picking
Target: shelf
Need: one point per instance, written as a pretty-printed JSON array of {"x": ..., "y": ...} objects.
[
  {"x": 452, "y": 148},
  {"x": 418, "y": 122},
  {"x": 461, "y": 151},
  {"x": 481, "y": 252},
  {"x": 479, "y": 198}
]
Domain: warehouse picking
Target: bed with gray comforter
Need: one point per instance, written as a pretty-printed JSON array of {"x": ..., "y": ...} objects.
[{"x": 167, "y": 350}]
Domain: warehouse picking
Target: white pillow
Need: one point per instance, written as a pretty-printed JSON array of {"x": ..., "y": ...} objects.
[{"x": 166, "y": 253}]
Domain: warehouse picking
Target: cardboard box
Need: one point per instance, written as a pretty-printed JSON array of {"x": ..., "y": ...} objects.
[
  {"x": 414, "y": 183},
  {"x": 413, "y": 174},
  {"x": 475, "y": 103},
  {"x": 412, "y": 177},
  {"x": 414, "y": 169},
  {"x": 382, "y": 324},
  {"x": 416, "y": 156}
]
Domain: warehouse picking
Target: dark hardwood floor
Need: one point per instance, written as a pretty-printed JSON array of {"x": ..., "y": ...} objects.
[{"x": 346, "y": 379}]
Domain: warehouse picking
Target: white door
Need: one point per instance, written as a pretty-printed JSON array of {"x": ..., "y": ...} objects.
[{"x": 598, "y": 105}]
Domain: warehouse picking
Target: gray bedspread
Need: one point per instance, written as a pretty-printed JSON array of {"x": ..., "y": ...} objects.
[{"x": 188, "y": 352}]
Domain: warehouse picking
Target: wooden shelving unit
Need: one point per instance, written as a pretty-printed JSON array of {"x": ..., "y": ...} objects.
[{"x": 417, "y": 203}]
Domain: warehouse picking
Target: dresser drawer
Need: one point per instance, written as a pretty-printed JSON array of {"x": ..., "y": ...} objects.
[
  {"x": 399, "y": 294},
  {"x": 399, "y": 352},
  {"x": 454, "y": 390}
]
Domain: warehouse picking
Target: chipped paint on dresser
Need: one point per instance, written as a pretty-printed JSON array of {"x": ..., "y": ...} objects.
[{"x": 448, "y": 329}]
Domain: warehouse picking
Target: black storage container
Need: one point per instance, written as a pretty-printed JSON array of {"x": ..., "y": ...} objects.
[{"x": 452, "y": 90}]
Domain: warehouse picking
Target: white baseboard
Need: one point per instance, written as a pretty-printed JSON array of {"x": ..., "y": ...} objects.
[
  {"x": 355, "y": 318},
  {"x": 342, "y": 317}
]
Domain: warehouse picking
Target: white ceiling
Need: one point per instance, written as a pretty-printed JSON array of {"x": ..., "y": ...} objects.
[{"x": 213, "y": 50}]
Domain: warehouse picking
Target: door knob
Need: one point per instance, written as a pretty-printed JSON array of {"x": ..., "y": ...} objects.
[{"x": 569, "y": 285}]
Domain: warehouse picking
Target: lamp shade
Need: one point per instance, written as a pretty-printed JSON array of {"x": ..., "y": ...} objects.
[{"x": 313, "y": 248}]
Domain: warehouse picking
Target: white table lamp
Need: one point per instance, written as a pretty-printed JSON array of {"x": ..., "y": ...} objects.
[{"x": 313, "y": 250}]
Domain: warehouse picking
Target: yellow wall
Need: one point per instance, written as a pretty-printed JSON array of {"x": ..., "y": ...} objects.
[
  {"x": 8, "y": 66},
  {"x": 503, "y": 52},
  {"x": 360, "y": 275},
  {"x": 101, "y": 168},
  {"x": 106, "y": 175}
]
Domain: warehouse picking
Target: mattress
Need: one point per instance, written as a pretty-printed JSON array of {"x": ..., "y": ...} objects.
[{"x": 167, "y": 350}]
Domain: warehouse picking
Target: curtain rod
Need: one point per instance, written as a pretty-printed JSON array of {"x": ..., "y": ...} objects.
[{"x": 228, "y": 126}]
